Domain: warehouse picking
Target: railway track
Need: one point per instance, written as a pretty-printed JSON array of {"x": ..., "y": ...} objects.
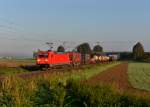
[{"x": 35, "y": 71}]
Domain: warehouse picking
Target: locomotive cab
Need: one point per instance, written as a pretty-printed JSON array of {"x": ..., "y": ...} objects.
[
  {"x": 43, "y": 59},
  {"x": 50, "y": 58}
]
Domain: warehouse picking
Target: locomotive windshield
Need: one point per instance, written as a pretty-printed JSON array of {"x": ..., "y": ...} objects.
[{"x": 43, "y": 56}]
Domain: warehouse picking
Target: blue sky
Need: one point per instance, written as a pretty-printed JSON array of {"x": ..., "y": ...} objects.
[{"x": 25, "y": 25}]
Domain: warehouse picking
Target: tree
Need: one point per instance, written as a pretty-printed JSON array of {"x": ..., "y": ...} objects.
[
  {"x": 60, "y": 49},
  {"x": 138, "y": 51},
  {"x": 98, "y": 48},
  {"x": 84, "y": 48}
]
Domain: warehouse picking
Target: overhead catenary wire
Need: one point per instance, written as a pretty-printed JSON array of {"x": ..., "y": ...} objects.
[
  {"x": 10, "y": 28},
  {"x": 13, "y": 28}
]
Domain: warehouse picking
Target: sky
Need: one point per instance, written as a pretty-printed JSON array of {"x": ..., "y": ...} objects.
[{"x": 26, "y": 25}]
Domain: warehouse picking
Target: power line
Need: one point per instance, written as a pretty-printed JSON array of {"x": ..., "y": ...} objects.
[{"x": 15, "y": 28}]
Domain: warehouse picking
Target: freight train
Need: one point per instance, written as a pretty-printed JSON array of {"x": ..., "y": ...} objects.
[{"x": 49, "y": 58}]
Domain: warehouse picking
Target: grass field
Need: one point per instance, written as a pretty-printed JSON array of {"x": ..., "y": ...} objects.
[
  {"x": 93, "y": 70},
  {"x": 4, "y": 71},
  {"x": 65, "y": 89},
  {"x": 49, "y": 90},
  {"x": 16, "y": 62},
  {"x": 139, "y": 75},
  {"x": 10, "y": 67}
]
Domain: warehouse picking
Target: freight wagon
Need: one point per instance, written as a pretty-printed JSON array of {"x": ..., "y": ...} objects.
[{"x": 99, "y": 57}]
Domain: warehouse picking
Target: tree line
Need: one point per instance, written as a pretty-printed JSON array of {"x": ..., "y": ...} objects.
[
  {"x": 83, "y": 48},
  {"x": 137, "y": 53}
]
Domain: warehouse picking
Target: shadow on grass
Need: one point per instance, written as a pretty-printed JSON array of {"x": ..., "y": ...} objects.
[{"x": 31, "y": 67}]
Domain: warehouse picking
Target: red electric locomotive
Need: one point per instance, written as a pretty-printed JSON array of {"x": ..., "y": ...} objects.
[{"x": 51, "y": 58}]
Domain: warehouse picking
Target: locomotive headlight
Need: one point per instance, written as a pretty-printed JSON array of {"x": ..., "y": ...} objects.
[
  {"x": 38, "y": 60},
  {"x": 46, "y": 60}
]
